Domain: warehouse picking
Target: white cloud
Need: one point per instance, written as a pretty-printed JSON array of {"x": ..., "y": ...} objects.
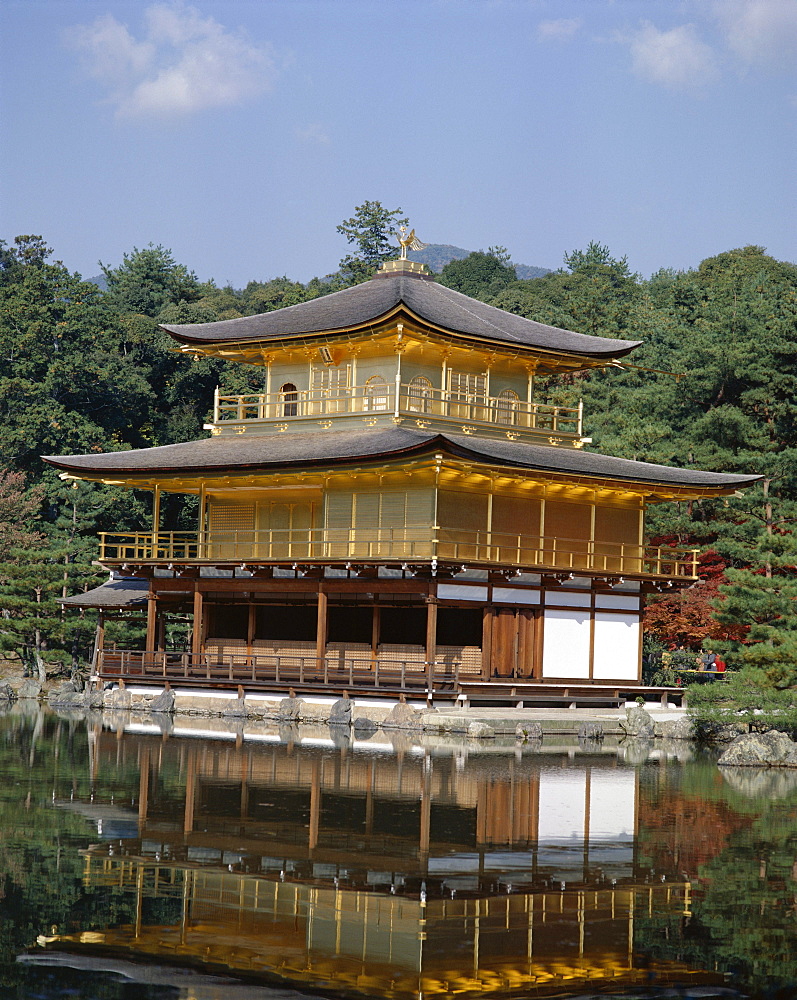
[
  {"x": 564, "y": 27},
  {"x": 183, "y": 64},
  {"x": 676, "y": 58},
  {"x": 760, "y": 31},
  {"x": 313, "y": 133}
]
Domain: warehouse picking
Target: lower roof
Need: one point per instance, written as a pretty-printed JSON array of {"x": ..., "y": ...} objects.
[
  {"x": 113, "y": 594},
  {"x": 324, "y": 449}
]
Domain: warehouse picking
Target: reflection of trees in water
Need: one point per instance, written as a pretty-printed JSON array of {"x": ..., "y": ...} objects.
[
  {"x": 743, "y": 907},
  {"x": 41, "y": 872},
  {"x": 760, "y": 869}
]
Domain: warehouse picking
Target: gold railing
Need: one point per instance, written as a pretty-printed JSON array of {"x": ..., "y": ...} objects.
[
  {"x": 417, "y": 401},
  {"x": 412, "y": 544}
]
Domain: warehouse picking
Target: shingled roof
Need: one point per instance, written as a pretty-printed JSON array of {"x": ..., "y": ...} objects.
[
  {"x": 113, "y": 594},
  {"x": 269, "y": 453},
  {"x": 374, "y": 300}
]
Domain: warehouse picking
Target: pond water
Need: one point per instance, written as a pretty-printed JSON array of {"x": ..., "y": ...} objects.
[{"x": 152, "y": 861}]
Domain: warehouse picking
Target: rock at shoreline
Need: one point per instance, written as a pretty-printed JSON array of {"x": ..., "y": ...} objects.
[
  {"x": 236, "y": 709},
  {"x": 402, "y": 716},
  {"x": 118, "y": 698},
  {"x": 340, "y": 712},
  {"x": 722, "y": 732},
  {"x": 66, "y": 696},
  {"x": 364, "y": 727},
  {"x": 480, "y": 731},
  {"x": 590, "y": 731},
  {"x": 677, "y": 729},
  {"x": 638, "y": 722},
  {"x": 30, "y": 688},
  {"x": 164, "y": 702},
  {"x": 772, "y": 749},
  {"x": 7, "y": 693},
  {"x": 528, "y": 731},
  {"x": 289, "y": 709}
]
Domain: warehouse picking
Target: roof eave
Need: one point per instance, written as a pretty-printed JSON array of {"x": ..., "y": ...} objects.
[{"x": 312, "y": 337}]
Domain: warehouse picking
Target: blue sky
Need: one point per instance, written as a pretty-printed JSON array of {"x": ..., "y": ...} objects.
[{"x": 240, "y": 133}]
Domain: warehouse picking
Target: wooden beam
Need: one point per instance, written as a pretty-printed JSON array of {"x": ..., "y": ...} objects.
[
  {"x": 431, "y": 637},
  {"x": 321, "y": 629},
  {"x": 196, "y": 637},
  {"x": 152, "y": 622},
  {"x": 488, "y": 616}
]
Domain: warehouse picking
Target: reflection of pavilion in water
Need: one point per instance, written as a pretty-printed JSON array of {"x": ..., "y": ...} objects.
[{"x": 391, "y": 875}]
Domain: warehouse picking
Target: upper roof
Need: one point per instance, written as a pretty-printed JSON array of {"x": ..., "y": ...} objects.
[
  {"x": 270, "y": 453},
  {"x": 374, "y": 300}
]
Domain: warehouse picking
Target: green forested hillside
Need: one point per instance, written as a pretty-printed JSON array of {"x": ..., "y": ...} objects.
[{"x": 715, "y": 385}]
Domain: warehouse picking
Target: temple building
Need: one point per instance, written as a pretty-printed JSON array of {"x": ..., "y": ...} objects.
[{"x": 395, "y": 513}]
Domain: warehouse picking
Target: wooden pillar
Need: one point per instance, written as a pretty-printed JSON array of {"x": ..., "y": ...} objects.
[
  {"x": 152, "y": 622},
  {"x": 99, "y": 643},
  {"x": 196, "y": 637},
  {"x": 431, "y": 639},
  {"x": 375, "y": 633},
  {"x": 201, "y": 540},
  {"x": 156, "y": 518},
  {"x": 487, "y": 642},
  {"x": 250, "y": 634},
  {"x": 321, "y": 629}
]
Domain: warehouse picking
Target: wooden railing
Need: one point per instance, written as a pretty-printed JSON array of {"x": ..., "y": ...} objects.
[
  {"x": 412, "y": 400},
  {"x": 286, "y": 670},
  {"x": 412, "y": 544}
]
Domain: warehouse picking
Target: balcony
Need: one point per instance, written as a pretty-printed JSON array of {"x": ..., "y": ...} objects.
[
  {"x": 399, "y": 546},
  {"x": 413, "y": 401}
]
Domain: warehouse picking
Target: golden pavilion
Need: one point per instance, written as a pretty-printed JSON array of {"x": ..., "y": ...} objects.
[{"x": 395, "y": 514}]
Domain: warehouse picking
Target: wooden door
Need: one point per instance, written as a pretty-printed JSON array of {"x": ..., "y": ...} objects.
[{"x": 512, "y": 643}]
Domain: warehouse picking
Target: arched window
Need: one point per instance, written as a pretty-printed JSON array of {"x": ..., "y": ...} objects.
[
  {"x": 420, "y": 394},
  {"x": 376, "y": 394},
  {"x": 289, "y": 399},
  {"x": 506, "y": 407}
]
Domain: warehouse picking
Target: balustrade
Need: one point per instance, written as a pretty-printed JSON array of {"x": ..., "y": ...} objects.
[
  {"x": 412, "y": 400},
  {"x": 405, "y": 544}
]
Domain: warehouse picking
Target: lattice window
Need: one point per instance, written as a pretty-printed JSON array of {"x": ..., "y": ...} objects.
[
  {"x": 231, "y": 530},
  {"x": 506, "y": 407},
  {"x": 376, "y": 397},
  {"x": 467, "y": 386},
  {"x": 420, "y": 394},
  {"x": 331, "y": 379}
]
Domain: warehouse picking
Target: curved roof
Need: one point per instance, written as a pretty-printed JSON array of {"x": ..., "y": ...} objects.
[
  {"x": 374, "y": 300},
  {"x": 289, "y": 451},
  {"x": 112, "y": 594}
]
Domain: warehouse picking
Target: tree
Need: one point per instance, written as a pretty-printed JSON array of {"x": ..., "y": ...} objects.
[
  {"x": 60, "y": 351},
  {"x": 480, "y": 275},
  {"x": 594, "y": 260},
  {"x": 369, "y": 230},
  {"x": 19, "y": 508},
  {"x": 149, "y": 279}
]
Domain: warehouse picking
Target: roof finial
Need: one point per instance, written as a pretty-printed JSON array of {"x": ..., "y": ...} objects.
[{"x": 410, "y": 242}]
